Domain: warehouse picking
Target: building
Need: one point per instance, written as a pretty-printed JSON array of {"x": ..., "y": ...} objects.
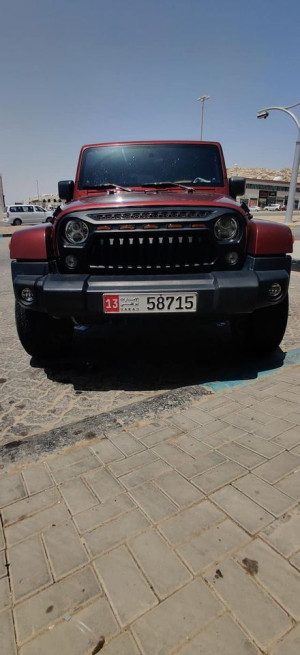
[
  {"x": 265, "y": 186},
  {"x": 46, "y": 200}
]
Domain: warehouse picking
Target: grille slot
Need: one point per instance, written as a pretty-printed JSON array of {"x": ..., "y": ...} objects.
[
  {"x": 160, "y": 252},
  {"x": 150, "y": 215}
]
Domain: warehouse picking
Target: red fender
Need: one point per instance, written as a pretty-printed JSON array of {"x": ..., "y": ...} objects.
[
  {"x": 266, "y": 238},
  {"x": 34, "y": 243}
]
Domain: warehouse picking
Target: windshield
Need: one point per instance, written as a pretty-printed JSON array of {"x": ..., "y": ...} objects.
[{"x": 147, "y": 164}]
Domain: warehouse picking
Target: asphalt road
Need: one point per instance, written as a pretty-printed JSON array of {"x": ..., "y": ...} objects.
[{"x": 111, "y": 369}]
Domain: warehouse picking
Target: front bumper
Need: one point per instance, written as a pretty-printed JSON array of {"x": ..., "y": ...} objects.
[{"x": 220, "y": 293}]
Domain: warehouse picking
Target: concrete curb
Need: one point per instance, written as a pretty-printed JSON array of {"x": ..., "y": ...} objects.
[{"x": 41, "y": 445}]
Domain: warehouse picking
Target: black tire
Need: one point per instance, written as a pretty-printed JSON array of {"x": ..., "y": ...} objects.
[
  {"x": 262, "y": 331},
  {"x": 40, "y": 334},
  {"x": 17, "y": 221}
]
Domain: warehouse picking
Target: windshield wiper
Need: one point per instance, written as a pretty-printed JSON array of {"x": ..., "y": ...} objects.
[
  {"x": 167, "y": 184},
  {"x": 106, "y": 185}
]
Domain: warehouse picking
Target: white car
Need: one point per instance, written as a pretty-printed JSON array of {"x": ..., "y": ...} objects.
[
  {"x": 274, "y": 207},
  {"x": 27, "y": 214},
  {"x": 255, "y": 208}
]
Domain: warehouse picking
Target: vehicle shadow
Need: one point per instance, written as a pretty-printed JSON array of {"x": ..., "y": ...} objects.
[{"x": 156, "y": 356}]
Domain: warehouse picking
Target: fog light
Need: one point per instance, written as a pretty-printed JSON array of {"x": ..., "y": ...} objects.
[
  {"x": 71, "y": 261},
  {"x": 27, "y": 295},
  {"x": 231, "y": 258},
  {"x": 275, "y": 290}
]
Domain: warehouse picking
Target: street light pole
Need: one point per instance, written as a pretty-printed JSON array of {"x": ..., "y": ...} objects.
[
  {"x": 202, "y": 99},
  {"x": 264, "y": 113}
]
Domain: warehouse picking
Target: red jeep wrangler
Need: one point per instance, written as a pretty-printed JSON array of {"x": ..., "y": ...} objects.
[{"x": 151, "y": 228}]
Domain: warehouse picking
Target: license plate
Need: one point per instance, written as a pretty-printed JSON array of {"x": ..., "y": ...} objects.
[{"x": 154, "y": 303}]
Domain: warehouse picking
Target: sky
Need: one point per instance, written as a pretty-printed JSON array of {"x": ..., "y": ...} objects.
[{"x": 74, "y": 72}]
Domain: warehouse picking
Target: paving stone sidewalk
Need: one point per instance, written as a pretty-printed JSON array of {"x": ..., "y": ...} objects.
[{"x": 176, "y": 535}]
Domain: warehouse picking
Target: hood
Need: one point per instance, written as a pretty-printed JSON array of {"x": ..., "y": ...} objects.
[{"x": 151, "y": 198}]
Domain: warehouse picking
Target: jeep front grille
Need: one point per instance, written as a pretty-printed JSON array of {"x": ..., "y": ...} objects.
[{"x": 140, "y": 253}]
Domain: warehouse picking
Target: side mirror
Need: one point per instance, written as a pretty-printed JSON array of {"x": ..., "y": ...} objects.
[
  {"x": 66, "y": 190},
  {"x": 237, "y": 186}
]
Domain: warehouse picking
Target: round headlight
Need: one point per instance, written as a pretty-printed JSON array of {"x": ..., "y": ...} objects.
[
  {"x": 226, "y": 228},
  {"x": 76, "y": 231}
]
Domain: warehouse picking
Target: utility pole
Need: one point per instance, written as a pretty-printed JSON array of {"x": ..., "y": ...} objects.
[
  {"x": 2, "y": 203},
  {"x": 202, "y": 99},
  {"x": 264, "y": 113}
]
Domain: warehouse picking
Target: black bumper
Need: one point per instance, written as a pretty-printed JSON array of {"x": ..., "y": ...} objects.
[{"x": 220, "y": 293}]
